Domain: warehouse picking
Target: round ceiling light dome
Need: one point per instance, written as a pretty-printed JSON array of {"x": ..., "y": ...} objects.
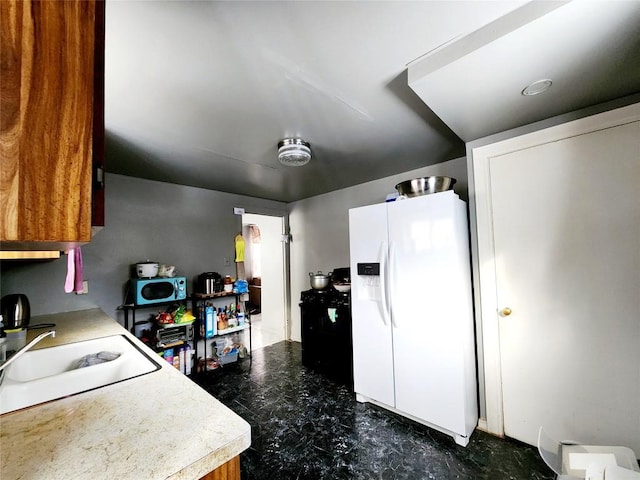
[{"x": 294, "y": 152}]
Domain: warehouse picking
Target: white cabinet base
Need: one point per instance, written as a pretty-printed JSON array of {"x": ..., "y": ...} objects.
[{"x": 462, "y": 440}]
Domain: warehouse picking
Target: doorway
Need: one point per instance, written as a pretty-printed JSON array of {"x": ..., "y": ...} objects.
[{"x": 265, "y": 271}]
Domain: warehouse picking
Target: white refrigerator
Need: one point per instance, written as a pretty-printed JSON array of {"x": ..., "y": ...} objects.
[{"x": 413, "y": 330}]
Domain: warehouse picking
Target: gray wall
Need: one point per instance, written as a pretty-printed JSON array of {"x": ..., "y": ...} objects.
[
  {"x": 320, "y": 226},
  {"x": 191, "y": 228}
]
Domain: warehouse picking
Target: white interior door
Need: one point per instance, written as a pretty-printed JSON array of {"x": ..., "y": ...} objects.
[
  {"x": 272, "y": 327},
  {"x": 566, "y": 227}
]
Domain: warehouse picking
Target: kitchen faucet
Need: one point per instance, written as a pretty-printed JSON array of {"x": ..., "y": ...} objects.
[{"x": 24, "y": 349}]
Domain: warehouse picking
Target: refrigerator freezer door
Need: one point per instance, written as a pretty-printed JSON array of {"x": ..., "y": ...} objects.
[
  {"x": 426, "y": 286},
  {"x": 372, "y": 341},
  {"x": 421, "y": 362}
]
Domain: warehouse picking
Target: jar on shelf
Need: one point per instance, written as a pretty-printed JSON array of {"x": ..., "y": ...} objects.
[{"x": 228, "y": 283}]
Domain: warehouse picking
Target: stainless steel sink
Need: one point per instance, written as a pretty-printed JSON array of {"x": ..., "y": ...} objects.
[{"x": 48, "y": 374}]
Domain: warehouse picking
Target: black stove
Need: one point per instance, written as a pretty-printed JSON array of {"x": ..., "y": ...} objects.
[
  {"x": 326, "y": 333},
  {"x": 329, "y": 296}
]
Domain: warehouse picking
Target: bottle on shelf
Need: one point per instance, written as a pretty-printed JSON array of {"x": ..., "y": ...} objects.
[
  {"x": 240, "y": 315},
  {"x": 202, "y": 320},
  {"x": 222, "y": 320},
  {"x": 232, "y": 319}
]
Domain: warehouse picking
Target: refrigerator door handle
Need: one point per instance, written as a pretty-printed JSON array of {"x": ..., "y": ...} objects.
[
  {"x": 383, "y": 283},
  {"x": 391, "y": 277}
]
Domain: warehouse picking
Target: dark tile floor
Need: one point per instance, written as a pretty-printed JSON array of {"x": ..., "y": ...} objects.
[{"x": 305, "y": 426}]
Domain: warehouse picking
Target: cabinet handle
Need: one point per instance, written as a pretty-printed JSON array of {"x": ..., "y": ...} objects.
[{"x": 505, "y": 312}]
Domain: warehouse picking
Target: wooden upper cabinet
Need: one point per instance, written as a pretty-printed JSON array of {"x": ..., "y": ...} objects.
[{"x": 51, "y": 122}]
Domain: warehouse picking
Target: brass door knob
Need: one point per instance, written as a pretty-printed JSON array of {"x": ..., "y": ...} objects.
[{"x": 505, "y": 312}]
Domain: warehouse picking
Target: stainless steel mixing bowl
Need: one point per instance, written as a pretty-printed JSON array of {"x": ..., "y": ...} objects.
[{"x": 425, "y": 185}]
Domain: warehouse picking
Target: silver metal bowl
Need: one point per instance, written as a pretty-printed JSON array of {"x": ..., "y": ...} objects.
[{"x": 425, "y": 185}]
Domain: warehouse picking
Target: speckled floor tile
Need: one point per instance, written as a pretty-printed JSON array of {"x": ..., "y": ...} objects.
[{"x": 306, "y": 426}]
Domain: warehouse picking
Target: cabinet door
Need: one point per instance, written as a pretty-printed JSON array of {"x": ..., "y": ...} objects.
[
  {"x": 47, "y": 121},
  {"x": 372, "y": 348},
  {"x": 428, "y": 287}
]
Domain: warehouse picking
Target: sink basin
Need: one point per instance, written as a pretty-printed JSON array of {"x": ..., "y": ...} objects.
[{"x": 51, "y": 373}]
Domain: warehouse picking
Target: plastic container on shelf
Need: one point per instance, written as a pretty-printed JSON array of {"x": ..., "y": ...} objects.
[
  {"x": 226, "y": 353},
  {"x": 230, "y": 357}
]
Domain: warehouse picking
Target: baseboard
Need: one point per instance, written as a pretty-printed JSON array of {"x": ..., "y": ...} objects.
[{"x": 482, "y": 425}]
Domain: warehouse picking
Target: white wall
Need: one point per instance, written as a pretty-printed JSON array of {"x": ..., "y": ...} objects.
[{"x": 320, "y": 226}]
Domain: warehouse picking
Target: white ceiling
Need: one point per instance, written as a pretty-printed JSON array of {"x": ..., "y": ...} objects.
[
  {"x": 590, "y": 51},
  {"x": 200, "y": 92}
]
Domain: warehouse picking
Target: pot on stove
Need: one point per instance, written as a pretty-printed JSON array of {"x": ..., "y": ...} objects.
[{"x": 319, "y": 281}]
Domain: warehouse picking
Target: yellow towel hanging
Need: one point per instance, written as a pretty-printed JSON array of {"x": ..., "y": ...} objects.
[{"x": 239, "y": 248}]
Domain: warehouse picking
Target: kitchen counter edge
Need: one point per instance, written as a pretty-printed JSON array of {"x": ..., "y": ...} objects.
[{"x": 157, "y": 426}]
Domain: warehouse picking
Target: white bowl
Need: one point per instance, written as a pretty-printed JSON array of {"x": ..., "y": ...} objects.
[{"x": 343, "y": 287}]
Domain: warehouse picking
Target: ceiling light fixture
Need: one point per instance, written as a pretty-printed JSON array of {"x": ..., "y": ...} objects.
[
  {"x": 294, "y": 152},
  {"x": 537, "y": 87}
]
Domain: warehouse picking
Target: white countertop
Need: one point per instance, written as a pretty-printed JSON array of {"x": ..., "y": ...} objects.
[{"x": 157, "y": 426}]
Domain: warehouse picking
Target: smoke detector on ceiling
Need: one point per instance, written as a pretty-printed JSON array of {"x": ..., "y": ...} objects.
[
  {"x": 294, "y": 152},
  {"x": 537, "y": 87}
]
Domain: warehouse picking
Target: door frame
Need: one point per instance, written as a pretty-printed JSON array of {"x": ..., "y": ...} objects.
[
  {"x": 284, "y": 216},
  {"x": 484, "y": 267}
]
